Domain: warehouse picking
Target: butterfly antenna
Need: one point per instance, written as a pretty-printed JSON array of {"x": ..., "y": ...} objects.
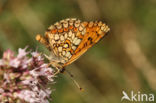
[{"x": 75, "y": 82}]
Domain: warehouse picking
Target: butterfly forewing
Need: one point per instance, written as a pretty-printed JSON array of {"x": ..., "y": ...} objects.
[{"x": 94, "y": 31}]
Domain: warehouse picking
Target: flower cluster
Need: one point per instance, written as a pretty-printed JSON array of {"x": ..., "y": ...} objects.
[{"x": 24, "y": 78}]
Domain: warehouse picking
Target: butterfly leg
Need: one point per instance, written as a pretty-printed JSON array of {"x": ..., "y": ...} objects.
[
  {"x": 58, "y": 70},
  {"x": 48, "y": 57},
  {"x": 54, "y": 64}
]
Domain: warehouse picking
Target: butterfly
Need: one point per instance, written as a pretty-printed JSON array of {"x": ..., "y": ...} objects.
[{"x": 68, "y": 39}]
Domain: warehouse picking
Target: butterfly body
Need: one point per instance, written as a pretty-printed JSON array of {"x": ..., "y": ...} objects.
[{"x": 70, "y": 38}]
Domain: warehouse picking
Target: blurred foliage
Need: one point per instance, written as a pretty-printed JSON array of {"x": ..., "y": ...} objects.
[{"x": 124, "y": 60}]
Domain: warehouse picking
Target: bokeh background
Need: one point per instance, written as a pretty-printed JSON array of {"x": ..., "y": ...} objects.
[{"x": 124, "y": 60}]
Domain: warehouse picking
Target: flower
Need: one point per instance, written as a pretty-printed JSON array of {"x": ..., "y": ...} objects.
[{"x": 23, "y": 78}]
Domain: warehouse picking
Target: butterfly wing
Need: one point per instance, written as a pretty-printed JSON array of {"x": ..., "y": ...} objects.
[
  {"x": 94, "y": 32},
  {"x": 62, "y": 38},
  {"x": 70, "y": 38}
]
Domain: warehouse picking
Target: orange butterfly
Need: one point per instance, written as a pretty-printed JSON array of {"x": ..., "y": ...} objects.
[{"x": 70, "y": 38}]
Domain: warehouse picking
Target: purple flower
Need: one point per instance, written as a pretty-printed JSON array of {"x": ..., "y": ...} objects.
[{"x": 24, "y": 79}]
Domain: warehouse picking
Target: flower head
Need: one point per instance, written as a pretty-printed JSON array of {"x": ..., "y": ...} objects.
[{"x": 24, "y": 79}]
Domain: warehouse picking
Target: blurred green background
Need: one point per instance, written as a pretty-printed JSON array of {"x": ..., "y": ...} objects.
[{"x": 124, "y": 60}]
